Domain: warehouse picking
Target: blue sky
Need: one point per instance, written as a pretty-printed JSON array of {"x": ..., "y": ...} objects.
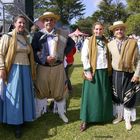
[{"x": 91, "y": 6}]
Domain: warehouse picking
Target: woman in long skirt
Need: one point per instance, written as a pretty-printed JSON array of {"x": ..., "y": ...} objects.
[
  {"x": 17, "y": 70},
  {"x": 96, "y": 102}
]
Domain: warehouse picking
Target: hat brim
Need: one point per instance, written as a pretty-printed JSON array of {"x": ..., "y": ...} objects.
[
  {"x": 111, "y": 28},
  {"x": 56, "y": 17}
]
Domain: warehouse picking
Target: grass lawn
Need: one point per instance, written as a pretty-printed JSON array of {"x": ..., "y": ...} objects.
[{"x": 51, "y": 127}]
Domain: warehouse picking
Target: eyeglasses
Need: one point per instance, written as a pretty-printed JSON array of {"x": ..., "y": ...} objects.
[{"x": 47, "y": 20}]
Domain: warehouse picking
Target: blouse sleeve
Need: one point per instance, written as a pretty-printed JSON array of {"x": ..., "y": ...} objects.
[
  {"x": 3, "y": 49},
  {"x": 137, "y": 71},
  {"x": 85, "y": 55}
]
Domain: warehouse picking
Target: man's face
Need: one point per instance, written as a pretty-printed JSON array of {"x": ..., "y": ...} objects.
[
  {"x": 49, "y": 23},
  {"x": 98, "y": 30},
  {"x": 119, "y": 32}
]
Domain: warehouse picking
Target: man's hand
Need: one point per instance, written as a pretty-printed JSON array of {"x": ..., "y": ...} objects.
[
  {"x": 51, "y": 59},
  {"x": 135, "y": 79}
]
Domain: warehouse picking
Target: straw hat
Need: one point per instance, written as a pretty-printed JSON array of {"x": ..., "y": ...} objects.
[
  {"x": 50, "y": 15},
  {"x": 117, "y": 24}
]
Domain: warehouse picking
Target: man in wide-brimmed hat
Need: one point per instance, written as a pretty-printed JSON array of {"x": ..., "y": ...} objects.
[
  {"x": 49, "y": 45},
  {"x": 126, "y": 72}
]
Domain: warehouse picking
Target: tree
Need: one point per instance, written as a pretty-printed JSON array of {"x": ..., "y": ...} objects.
[
  {"x": 110, "y": 11},
  {"x": 133, "y": 6},
  {"x": 85, "y": 25},
  {"x": 67, "y": 9},
  {"x": 133, "y": 24}
]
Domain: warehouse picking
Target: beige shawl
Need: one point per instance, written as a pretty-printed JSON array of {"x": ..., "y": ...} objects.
[
  {"x": 128, "y": 55},
  {"x": 93, "y": 53},
  {"x": 10, "y": 56}
]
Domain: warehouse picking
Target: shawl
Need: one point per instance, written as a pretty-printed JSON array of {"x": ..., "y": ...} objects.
[
  {"x": 11, "y": 52},
  {"x": 128, "y": 55},
  {"x": 93, "y": 53}
]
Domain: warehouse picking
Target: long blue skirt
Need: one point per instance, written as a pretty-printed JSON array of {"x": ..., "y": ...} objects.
[
  {"x": 1, "y": 109},
  {"x": 19, "y": 96}
]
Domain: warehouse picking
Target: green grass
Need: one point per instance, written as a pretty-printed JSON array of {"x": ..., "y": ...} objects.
[{"x": 50, "y": 126}]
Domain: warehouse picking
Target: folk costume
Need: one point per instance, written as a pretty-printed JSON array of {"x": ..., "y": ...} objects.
[
  {"x": 16, "y": 57},
  {"x": 51, "y": 77},
  {"x": 125, "y": 64},
  {"x": 96, "y": 102}
]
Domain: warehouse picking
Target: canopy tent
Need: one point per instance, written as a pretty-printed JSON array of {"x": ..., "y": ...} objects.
[{"x": 77, "y": 33}]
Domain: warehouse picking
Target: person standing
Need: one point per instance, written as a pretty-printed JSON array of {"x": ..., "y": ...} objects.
[
  {"x": 126, "y": 72},
  {"x": 96, "y": 100},
  {"x": 49, "y": 45},
  {"x": 17, "y": 70},
  {"x": 70, "y": 60}
]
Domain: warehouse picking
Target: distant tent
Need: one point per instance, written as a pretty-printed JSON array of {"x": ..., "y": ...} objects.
[
  {"x": 39, "y": 23},
  {"x": 77, "y": 33}
]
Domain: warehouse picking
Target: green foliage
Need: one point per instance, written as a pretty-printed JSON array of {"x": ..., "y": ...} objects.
[
  {"x": 108, "y": 12},
  {"x": 85, "y": 25},
  {"x": 67, "y": 9},
  {"x": 133, "y": 6},
  {"x": 133, "y": 24}
]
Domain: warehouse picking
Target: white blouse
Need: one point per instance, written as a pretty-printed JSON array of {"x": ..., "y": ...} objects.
[{"x": 101, "y": 56}]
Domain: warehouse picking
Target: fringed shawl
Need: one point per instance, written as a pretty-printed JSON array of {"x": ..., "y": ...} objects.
[
  {"x": 93, "y": 53},
  {"x": 11, "y": 52}
]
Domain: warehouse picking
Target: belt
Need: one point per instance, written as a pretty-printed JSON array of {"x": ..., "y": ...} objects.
[{"x": 58, "y": 62}]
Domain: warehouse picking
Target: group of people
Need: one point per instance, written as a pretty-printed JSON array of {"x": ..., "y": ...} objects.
[
  {"x": 33, "y": 71},
  {"x": 106, "y": 64}
]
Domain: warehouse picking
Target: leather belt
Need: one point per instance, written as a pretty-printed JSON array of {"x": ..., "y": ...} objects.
[{"x": 58, "y": 62}]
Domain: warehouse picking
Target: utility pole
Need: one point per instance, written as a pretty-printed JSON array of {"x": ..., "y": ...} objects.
[{"x": 29, "y": 10}]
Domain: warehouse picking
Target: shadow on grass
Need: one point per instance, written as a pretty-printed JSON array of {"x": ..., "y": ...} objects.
[
  {"x": 77, "y": 91},
  {"x": 78, "y": 65},
  {"x": 43, "y": 128}
]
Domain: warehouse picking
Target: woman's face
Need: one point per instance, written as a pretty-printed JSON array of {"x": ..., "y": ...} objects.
[
  {"x": 98, "y": 30},
  {"x": 119, "y": 32},
  {"x": 20, "y": 25}
]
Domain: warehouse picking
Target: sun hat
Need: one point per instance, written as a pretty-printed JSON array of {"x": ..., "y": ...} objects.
[
  {"x": 50, "y": 15},
  {"x": 117, "y": 24}
]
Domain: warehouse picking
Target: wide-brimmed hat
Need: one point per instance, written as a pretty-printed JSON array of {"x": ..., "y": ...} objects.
[
  {"x": 50, "y": 15},
  {"x": 117, "y": 24}
]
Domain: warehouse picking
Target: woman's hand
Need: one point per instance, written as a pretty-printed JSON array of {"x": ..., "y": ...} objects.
[
  {"x": 3, "y": 74},
  {"x": 88, "y": 75}
]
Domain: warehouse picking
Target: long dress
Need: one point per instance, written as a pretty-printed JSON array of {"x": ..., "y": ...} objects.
[
  {"x": 18, "y": 99},
  {"x": 96, "y": 100}
]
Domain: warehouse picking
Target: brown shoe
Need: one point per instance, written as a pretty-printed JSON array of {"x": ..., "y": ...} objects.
[{"x": 83, "y": 127}]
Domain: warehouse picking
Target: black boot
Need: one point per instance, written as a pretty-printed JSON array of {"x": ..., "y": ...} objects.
[{"x": 18, "y": 132}]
